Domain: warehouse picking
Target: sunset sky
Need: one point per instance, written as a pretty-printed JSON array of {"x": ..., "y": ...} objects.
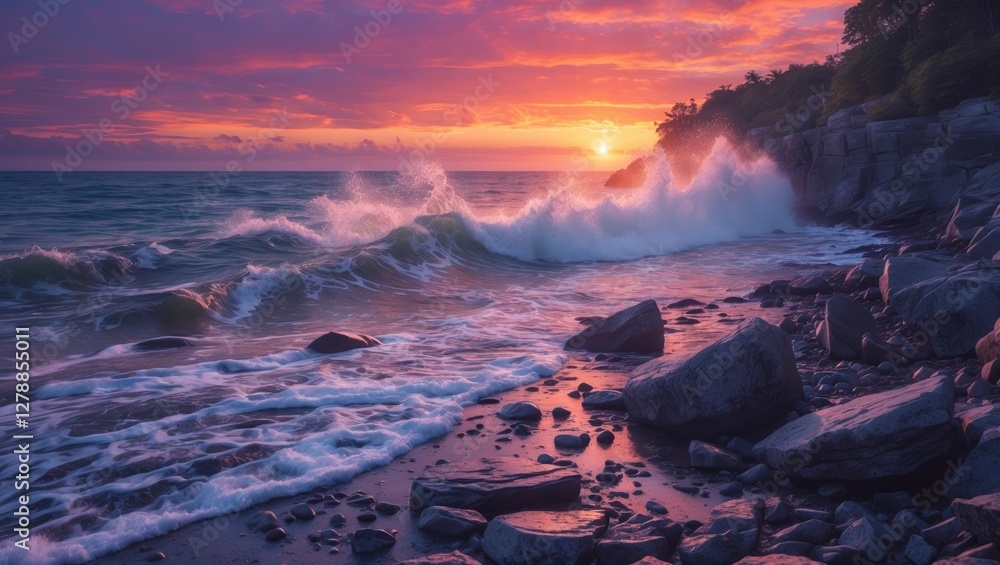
[{"x": 478, "y": 85}]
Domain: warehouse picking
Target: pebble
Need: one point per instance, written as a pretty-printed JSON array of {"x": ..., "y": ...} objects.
[
  {"x": 605, "y": 438},
  {"x": 686, "y": 489},
  {"x": 158, "y": 556},
  {"x": 366, "y": 517},
  {"x": 546, "y": 459},
  {"x": 276, "y": 534},
  {"x": 303, "y": 512},
  {"x": 560, "y": 413},
  {"x": 569, "y": 441},
  {"x": 655, "y": 507},
  {"x": 338, "y": 520}
]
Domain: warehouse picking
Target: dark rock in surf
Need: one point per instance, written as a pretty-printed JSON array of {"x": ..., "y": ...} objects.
[
  {"x": 159, "y": 343},
  {"x": 740, "y": 382},
  {"x": 336, "y": 342},
  {"x": 520, "y": 411},
  {"x": 638, "y": 329}
]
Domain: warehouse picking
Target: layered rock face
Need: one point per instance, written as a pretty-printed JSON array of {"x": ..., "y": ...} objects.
[{"x": 869, "y": 173}]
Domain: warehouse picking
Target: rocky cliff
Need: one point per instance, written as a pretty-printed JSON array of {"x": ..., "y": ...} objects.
[{"x": 868, "y": 173}]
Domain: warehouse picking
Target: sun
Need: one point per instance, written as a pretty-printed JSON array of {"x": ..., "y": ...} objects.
[{"x": 601, "y": 148}]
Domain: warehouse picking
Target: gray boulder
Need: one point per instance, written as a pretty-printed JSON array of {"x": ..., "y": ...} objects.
[
  {"x": 638, "y": 329},
  {"x": 368, "y": 540},
  {"x": 970, "y": 214},
  {"x": 527, "y": 538},
  {"x": 907, "y": 270},
  {"x": 976, "y": 421},
  {"x": 846, "y": 323},
  {"x": 604, "y": 400},
  {"x": 336, "y": 342},
  {"x": 980, "y": 515},
  {"x": 977, "y": 476},
  {"x": 954, "y": 311},
  {"x": 454, "y": 522},
  {"x": 731, "y": 533},
  {"x": 492, "y": 485},
  {"x": 742, "y": 381},
  {"x": 880, "y": 435},
  {"x": 988, "y": 348},
  {"x": 865, "y": 275},
  {"x": 816, "y": 532},
  {"x": 640, "y": 536}
]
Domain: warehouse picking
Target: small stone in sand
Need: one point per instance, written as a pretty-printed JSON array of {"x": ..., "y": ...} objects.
[
  {"x": 605, "y": 438},
  {"x": 367, "y": 540},
  {"x": 303, "y": 512},
  {"x": 569, "y": 441},
  {"x": 263, "y": 521},
  {"x": 686, "y": 489},
  {"x": 560, "y": 413},
  {"x": 573, "y": 394},
  {"x": 276, "y": 534},
  {"x": 366, "y": 517},
  {"x": 158, "y": 556},
  {"x": 655, "y": 507},
  {"x": 338, "y": 520},
  {"x": 545, "y": 458},
  {"x": 584, "y": 387}
]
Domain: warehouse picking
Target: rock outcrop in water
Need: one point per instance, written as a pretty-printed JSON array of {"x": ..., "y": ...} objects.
[
  {"x": 742, "y": 381},
  {"x": 638, "y": 329},
  {"x": 337, "y": 342}
]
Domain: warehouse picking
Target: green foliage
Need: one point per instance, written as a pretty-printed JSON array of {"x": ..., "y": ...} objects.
[{"x": 966, "y": 70}]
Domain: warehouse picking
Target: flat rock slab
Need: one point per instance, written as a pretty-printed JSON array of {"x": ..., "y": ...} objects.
[
  {"x": 454, "y": 522},
  {"x": 907, "y": 270},
  {"x": 975, "y": 422},
  {"x": 557, "y": 538},
  {"x": 638, "y": 329},
  {"x": 494, "y": 485},
  {"x": 740, "y": 382},
  {"x": 881, "y": 435},
  {"x": 640, "y": 536}
]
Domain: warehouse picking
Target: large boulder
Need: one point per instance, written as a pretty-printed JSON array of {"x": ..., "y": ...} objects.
[
  {"x": 970, "y": 214},
  {"x": 493, "y": 485},
  {"x": 881, "y": 435},
  {"x": 336, "y": 342},
  {"x": 954, "y": 311},
  {"x": 907, "y": 270},
  {"x": 977, "y": 475},
  {"x": 740, "y": 382},
  {"x": 981, "y": 516},
  {"x": 730, "y": 533},
  {"x": 976, "y": 421},
  {"x": 846, "y": 323},
  {"x": 638, "y": 329},
  {"x": 988, "y": 347},
  {"x": 527, "y": 538},
  {"x": 640, "y": 536}
]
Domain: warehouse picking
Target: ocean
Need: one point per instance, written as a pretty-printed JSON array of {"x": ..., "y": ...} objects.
[{"x": 472, "y": 281}]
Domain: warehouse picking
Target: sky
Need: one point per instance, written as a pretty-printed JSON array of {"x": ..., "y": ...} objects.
[{"x": 374, "y": 84}]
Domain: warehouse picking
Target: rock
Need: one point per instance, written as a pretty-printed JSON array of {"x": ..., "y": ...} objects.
[
  {"x": 453, "y": 558},
  {"x": 492, "y": 485},
  {"x": 919, "y": 552},
  {"x": 607, "y": 437},
  {"x": 367, "y": 517},
  {"x": 777, "y": 511},
  {"x": 454, "y": 522},
  {"x": 560, "y": 413},
  {"x": 338, "y": 520},
  {"x": 874, "y": 352},
  {"x": 336, "y": 342},
  {"x": 707, "y": 456},
  {"x": 638, "y": 537},
  {"x": 943, "y": 533},
  {"x": 789, "y": 325},
  {"x": 815, "y": 532},
  {"x": 978, "y": 475},
  {"x": 991, "y": 372},
  {"x": 756, "y": 476},
  {"x": 632, "y": 176},
  {"x": 988, "y": 348},
  {"x": 638, "y": 329},
  {"x": 303, "y": 512},
  {"x": 863, "y": 534},
  {"x": 731, "y": 533},
  {"x": 604, "y": 400},
  {"x": 686, "y": 303},
  {"x": 741, "y": 447},
  {"x": 520, "y": 411},
  {"x": 368, "y": 540},
  {"x": 527, "y": 538},
  {"x": 975, "y": 422},
  {"x": 908, "y": 270},
  {"x": 732, "y": 489},
  {"x": 865, "y": 275},
  {"x": 845, "y": 325},
  {"x": 786, "y": 559},
  {"x": 158, "y": 556},
  {"x": 264, "y": 521},
  {"x": 569, "y": 441},
  {"x": 954, "y": 311},
  {"x": 848, "y": 512},
  {"x": 880, "y": 435},
  {"x": 980, "y": 515},
  {"x": 742, "y": 381},
  {"x": 277, "y": 534},
  {"x": 969, "y": 215},
  {"x": 386, "y": 508},
  {"x": 160, "y": 343},
  {"x": 655, "y": 507},
  {"x": 809, "y": 285},
  {"x": 987, "y": 245}
]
